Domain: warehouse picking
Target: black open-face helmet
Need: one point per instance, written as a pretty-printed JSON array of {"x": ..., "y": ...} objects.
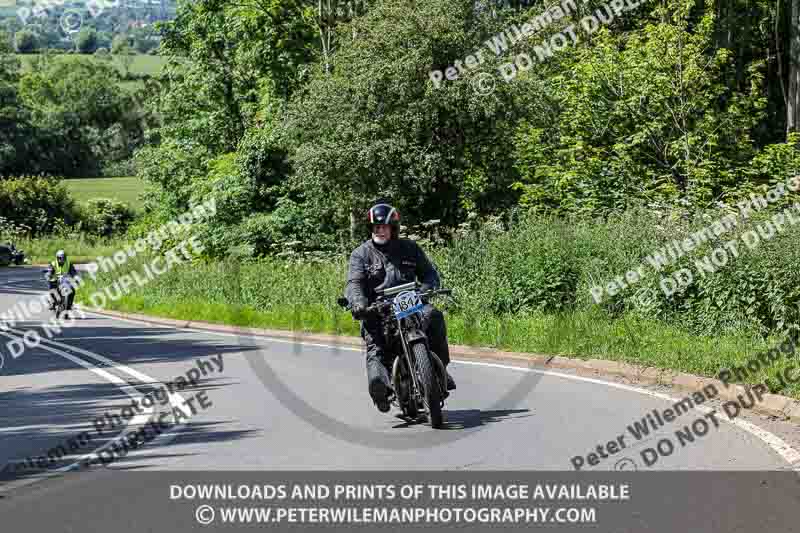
[{"x": 384, "y": 214}]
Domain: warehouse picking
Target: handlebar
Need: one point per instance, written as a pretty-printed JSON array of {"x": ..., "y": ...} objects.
[
  {"x": 384, "y": 301},
  {"x": 47, "y": 277}
]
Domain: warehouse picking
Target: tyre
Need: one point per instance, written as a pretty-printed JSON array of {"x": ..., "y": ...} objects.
[
  {"x": 411, "y": 408},
  {"x": 429, "y": 384},
  {"x": 402, "y": 386}
]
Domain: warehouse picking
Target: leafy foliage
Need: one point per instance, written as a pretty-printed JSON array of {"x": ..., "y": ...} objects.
[
  {"x": 641, "y": 117},
  {"x": 81, "y": 114},
  {"x": 87, "y": 41},
  {"x": 295, "y": 115},
  {"x": 105, "y": 217},
  {"x": 26, "y": 42},
  {"x": 37, "y": 203}
]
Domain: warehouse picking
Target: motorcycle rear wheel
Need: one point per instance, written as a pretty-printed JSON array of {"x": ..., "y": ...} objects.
[{"x": 429, "y": 384}]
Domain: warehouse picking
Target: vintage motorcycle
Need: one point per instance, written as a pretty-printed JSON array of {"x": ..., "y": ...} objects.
[
  {"x": 17, "y": 256},
  {"x": 418, "y": 375},
  {"x": 63, "y": 288},
  {"x": 10, "y": 255}
]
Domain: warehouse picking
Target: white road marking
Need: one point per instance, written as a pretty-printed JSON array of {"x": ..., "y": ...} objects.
[
  {"x": 778, "y": 445},
  {"x": 124, "y": 385},
  {"x": 175, "y": 399},
  {"x": 775, "y": 443}
]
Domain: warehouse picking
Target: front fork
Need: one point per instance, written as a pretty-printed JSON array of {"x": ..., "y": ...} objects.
[{"x": 412, "y": 368}]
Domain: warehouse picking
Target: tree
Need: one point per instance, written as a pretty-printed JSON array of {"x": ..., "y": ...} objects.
[
  {"x": 225, "y": 59},
  {"x": 127, "y": 61},
  {"x": 50, "y": 38},
  {"x": 641, "y": 116},
  {"x": 120, "y": 44},
  {"x": 26, "y": 42},
  {"x": 123, "y": 51},
  {"x": 86, "y": 42},
  {"x": 143, "y": 43},
  {"x": 82, "y": 115},
  {"x": 376, "y": 126},
  {"x": 793, "y": 97},
  {"x": 104, "y": 39},
  {"x": 17, "y": 136},
  {"x": 329, "y": 13}
]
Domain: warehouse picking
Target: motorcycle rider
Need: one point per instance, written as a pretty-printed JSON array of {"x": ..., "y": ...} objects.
[
  {"x": 382, "y": 262},
  {"x": 60, "y": 267}
]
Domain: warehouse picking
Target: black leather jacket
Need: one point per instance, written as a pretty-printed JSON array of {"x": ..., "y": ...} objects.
[{"x": 375, "y": 266}]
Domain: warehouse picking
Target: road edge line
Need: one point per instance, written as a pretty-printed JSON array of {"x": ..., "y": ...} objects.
[{"x": 774, "y": 405}]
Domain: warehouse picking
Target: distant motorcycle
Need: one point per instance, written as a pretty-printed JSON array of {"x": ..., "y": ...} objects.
[
  {"x": 17, "y": 256},
  {"x": 418, "y": 375},
  {"x": 63, "y": 289},
  {"x": 10, "y": 255}
]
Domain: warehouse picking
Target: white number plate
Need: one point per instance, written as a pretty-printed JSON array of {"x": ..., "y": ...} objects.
[{"x": 407, "y": 303}]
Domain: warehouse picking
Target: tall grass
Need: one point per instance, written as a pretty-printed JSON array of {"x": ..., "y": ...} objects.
[
  {"x": 514, "y": 292},
  {"x": 80, "y": 248}
]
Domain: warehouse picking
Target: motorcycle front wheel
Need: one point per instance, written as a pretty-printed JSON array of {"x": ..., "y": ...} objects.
[
  {"x": 429, "y": 384},
  {"x": 402, "y": 387}
]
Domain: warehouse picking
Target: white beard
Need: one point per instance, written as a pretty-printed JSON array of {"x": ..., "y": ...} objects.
[{"x": 376, "y": 240}]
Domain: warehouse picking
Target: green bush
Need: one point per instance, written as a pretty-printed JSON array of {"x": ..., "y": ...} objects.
[
  {"x": 105, "y": 217},
  {"x": 36, "y": 202},
  {"x": 539, "y": 266}
]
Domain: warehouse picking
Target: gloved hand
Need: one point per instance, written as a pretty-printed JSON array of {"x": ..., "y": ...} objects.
[{"x": 359, "y": 310}]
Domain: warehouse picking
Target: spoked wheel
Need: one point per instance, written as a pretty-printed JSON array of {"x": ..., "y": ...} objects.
[
  {"x": 429, "y": 384},
  {"x": 402, "y": 379}
]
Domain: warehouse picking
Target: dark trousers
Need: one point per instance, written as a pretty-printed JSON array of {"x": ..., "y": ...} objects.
[
  {"x": 380, "y": 356},
  {"x": 70, "y": 296}
]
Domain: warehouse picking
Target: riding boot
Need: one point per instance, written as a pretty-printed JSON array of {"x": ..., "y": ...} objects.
[{"x": 378, "y": 379}]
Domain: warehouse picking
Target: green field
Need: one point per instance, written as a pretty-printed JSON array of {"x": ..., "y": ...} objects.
[
  {"x": 142, "y": 63},
  {"x": 125, "y": 190}
]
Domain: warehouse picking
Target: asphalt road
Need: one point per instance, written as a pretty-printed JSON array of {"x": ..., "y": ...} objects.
[{"x": 272, "y": 404}]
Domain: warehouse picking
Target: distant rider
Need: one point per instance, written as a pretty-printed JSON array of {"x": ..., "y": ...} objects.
[
  {"x": 60, "y": 267},
  {"x": 382, "y": 262}
]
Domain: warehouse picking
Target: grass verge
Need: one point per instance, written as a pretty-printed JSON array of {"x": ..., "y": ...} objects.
[
  {"x": 80, "y": 249},
  {"x": 206, "y": 293}
]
